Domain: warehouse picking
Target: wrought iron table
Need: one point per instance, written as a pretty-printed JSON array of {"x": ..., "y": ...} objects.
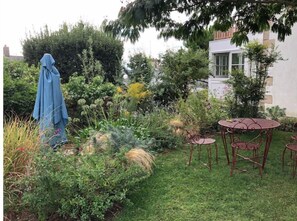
[{"x": 230, "y": 126}]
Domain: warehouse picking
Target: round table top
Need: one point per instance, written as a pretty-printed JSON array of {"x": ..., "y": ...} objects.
[{"x": 249, "y": 123}]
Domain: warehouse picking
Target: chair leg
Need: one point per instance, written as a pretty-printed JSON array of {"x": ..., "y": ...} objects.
[
  {"x": 209, "y": 156},
  {"x": 260, "y": 167},
  {"x": 234, "y": 155},
  {"x": 295, "y": 165},
  {"x": 191, "y": 153},
  {"x": 283, "y": 158},
  {"x": 199, "y": 151},
  {"x": 216, "y": 146}
]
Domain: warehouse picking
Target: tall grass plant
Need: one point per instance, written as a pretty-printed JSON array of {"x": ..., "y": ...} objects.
[{"x": 21, "y": 140}]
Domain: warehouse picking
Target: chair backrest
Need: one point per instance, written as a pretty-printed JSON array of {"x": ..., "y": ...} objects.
[
  {"x": 247, "y": 130},
  {"x": 192, "y": 135}
]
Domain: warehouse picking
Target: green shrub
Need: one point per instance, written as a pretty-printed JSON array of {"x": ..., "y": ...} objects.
[
  {"x": 183, "y": 69},
  {"x": 288, "y": 124},
  {"x": 155, "y": 125},
  {"x": 158, "y": 127},
  {"x": 201, "y": 111},
  {"x": 152, "y": 127},
  {"x": 79, "y": 187},
  {"x": 20, "y": 86},
  {"x": 68, "y": 42},
  {"x": 87, "y": 102},
  {"x": 123, "y": 137}
]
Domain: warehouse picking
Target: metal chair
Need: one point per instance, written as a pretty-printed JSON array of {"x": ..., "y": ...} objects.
[
  {"x": 292, "y": 147},
  {"x": 241, "y": 141},
  {"x": 194, "y": 138}
]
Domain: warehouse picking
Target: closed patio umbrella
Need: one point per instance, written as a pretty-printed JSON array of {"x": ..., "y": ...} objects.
[{"x": 50, "y": 109}]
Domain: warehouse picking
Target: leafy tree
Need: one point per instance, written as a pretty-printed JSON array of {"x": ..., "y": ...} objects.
[
  {"x": 141, "y": 68},
  {"x": 248, "y": 89},
  {"x": 248, "y": 16},
  {"x": 183, "y": 69},
  {"x": 201, "y": 41},
  {"x": 68, "y": 42}
]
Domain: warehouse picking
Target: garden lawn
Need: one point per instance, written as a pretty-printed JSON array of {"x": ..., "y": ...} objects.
[{"x": 179, "y": 192}]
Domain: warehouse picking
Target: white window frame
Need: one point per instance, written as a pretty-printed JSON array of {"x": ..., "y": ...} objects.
[
  {"x": 230, "y": 63},
  {"x": 221, "y": 75},
  {"x": 241, "y": 61}
]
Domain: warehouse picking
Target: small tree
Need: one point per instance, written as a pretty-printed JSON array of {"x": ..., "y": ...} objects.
[
  {"x": 141, "y": 68},
  {"x": 249, "y": 89},
  {"x": 184, "y": 68}
]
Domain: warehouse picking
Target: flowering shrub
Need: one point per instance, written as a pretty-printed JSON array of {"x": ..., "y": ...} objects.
[
  {"x": 138, "y": 92},
  {"x": 138, "y": 97}
]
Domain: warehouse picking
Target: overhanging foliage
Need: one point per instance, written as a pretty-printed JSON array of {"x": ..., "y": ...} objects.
[{"x": 250, "y": 16}]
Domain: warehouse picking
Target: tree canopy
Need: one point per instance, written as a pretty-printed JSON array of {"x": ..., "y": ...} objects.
[{"x": 251, "y": 16}]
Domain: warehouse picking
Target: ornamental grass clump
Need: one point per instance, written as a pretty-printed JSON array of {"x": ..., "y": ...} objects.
[
  {"x": 21, "y": 137},
  {"x": 177, "y": 125},
  {"x": 141, "y": 157},
  {"x": 21, "y": 140}
]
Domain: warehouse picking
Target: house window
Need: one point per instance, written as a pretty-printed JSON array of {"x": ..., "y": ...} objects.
[
  {"x": 221, "y": 64},
  {"x": 227, "y": 62},
  {"x": 237, "y": 62}
]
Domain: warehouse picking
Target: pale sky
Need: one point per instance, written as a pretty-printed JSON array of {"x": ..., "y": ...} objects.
[{"x": 19, "y": 18}]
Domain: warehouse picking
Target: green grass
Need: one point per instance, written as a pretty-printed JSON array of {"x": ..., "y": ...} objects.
[{"x": 179, "y": 192}]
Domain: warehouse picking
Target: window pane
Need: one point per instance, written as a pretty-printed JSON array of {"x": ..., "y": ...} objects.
[
  {"x": 235, "y": 58},
  {"x": 225, "y": 60},
  {"x": 241, "y": 59},
  {"x": 221, "y": 64}
]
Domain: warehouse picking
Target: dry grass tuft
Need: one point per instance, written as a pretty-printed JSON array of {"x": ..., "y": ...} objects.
[
  {"x": 21, "y": 137},
  {"x": 176, "y": 123},
  {"x": 141, "y": 157}
]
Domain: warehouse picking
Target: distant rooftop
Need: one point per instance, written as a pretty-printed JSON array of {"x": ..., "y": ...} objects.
[{"x": 11, "y": 57}]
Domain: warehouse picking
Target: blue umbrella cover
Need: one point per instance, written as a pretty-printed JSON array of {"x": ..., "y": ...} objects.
[{"x": 50, "y": 109}]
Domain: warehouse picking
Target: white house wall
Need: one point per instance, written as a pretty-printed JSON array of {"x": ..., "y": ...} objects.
[
  {"x": 216, "y": 86},
  {"x": 283, "y": 91},
  {"x": 284, "y": 73}
]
